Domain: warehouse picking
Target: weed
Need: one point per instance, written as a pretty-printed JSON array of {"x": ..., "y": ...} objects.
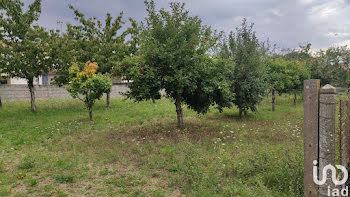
[{"x": 63, "y": 178}]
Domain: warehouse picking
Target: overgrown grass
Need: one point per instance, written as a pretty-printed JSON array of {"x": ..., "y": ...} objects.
[{"x": 134, "y": 149}]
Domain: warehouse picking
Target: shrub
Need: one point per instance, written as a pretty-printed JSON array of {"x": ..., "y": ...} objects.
[{"x": 86, "y": 85}]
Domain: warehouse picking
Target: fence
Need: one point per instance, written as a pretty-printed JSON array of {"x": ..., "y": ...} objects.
[
  {"x": 11, "y": 93},
  {"x": 320, "y": 137}
]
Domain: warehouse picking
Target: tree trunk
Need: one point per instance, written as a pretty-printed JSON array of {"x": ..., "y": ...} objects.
[
  {"x": 273, "y": 100},
  {"x": 295, "y": 99},
  {"x": 0, "y": 102},
  {"x": 32, "y": 95},
  {"x": 240, "y": 113},
  {"x": 108, "y": 99},
  {"x": 90, "y": 113},
  {"x": 180, "y": 121}
]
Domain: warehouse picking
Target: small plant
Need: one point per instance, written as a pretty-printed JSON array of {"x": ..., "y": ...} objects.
[
  {"x": 105, "y": 172},
  {"x": 20, "y": 175},
  {"x": 138, "y": 193},
  {"x": 2, "y": 166},
  {"x": 88, "y": 187},
  {"x": 32, "y": 182},
  {"x": 63, "y": 178},
  {"x": 26, "y": 163}
]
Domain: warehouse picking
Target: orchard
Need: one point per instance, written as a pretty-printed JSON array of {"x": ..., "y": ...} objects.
[{"x": 170, "y": 51}]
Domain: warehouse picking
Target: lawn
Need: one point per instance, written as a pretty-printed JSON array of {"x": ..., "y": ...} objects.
[{"x": 134, "y": 149}]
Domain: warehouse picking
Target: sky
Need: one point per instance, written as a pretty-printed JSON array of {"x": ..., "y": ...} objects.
[{"x": 287, "y": 23}]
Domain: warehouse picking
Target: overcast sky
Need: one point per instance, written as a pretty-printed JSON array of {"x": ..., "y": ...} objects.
[{"x": 288, "y": 23}]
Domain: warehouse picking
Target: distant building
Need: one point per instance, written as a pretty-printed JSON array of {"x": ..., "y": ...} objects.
[
  {"x": 45, "y": 79},
  {"x": 41, "y": 80},
  {"x": 18, "y": 81}
]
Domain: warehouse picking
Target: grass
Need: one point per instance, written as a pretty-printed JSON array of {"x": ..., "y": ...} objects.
[{"x": 134, "y": 149}]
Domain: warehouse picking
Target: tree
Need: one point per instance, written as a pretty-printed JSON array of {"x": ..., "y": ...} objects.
[
  {"x": 86, "y": 85},
  {"x": 102, "y": 43},
  {"x": 277, "y": 78},
  {"x": 285, "y": 76},
  {"x": 175, "y": 49},
  {"x": 297, "y": 72},
  {"x": 332, "y": 66},
  {"x": 302, "y": 54},
  {"x": 246, "y": 53},
  {"x": 27, "y": 50}
]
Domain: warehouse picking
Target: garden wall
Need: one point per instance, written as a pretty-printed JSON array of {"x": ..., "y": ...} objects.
[{"x": 10, "y": 93}]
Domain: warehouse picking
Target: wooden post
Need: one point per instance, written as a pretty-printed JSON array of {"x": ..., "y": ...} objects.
[
  {"x": 327, "y": 119},
  {"x": 0, "y": 102},
  {"x": 311, "y": 110}
]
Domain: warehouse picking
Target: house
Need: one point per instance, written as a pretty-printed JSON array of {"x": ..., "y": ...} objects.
[
  {"x": 45, "y": 79},
  {"x": 41, "y": 80},
  {"x": 18, "y": 81}
]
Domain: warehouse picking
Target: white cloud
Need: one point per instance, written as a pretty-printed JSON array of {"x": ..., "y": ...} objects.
[
  {"x": 322, "y": 11},
  {"x": 343, "y": 43},
  {"x": 276, "y": 12},
  {"x": 306, "y": 2},
  {"x": 286, "y": 22}
]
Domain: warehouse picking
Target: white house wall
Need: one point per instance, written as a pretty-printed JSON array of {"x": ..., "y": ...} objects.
[{"x": 21, "y": 81}]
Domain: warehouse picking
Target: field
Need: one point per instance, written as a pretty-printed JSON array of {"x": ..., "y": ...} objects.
[{"x": 134, "y": 149}]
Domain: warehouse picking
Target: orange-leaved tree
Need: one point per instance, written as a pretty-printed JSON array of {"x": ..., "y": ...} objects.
[{"x": 87, "y": 85}]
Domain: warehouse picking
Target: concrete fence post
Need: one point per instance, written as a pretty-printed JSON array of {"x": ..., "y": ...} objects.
[
  {"x": 311, "y": 110},
  {"x": 346, "y": 138},
  {"x": 342, "y": 132},
  {"x": 327, "y": 118}
]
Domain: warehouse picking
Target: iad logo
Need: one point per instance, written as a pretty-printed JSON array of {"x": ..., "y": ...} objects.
[
  {"x": 334, "y": 174},
  {"x": 332, "y": 191}
]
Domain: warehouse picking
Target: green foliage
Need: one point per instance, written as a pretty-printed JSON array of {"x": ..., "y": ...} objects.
[
  {"x": 277, "y": 78},
  {"x": 244, "y": 50},
  {"x": 286, "y": 75},
  {"x": 302, "y": 54},
  {"x": 32, "y": 182},
  {"x": 62, "y": 178},
  {"x": 26, "y": 163},
  {"x": 88, "y": 84},
  {"x": 27, "y": 50},
  {"x": 176, "y": 51},
  {"x": 2, "y": 166},
  {"x": 145, "y": 81},
  {"x": 326, "y": 66},
  {"x": 100, "y": 42},
  {"x": 297, "y": 72}
]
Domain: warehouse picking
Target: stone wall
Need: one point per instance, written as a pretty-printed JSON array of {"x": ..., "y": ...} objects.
[{"x": 11, "y": 93}]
